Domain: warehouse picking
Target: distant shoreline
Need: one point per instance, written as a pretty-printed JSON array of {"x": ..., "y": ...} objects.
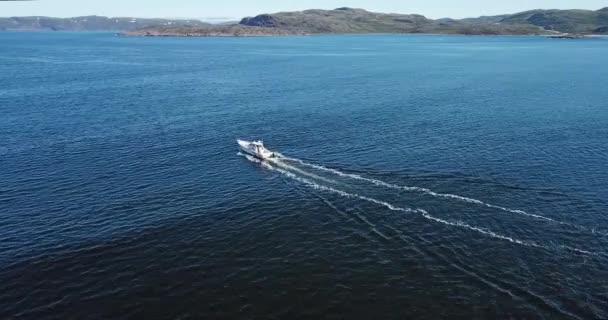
[
  {"x": 129, "y": 35},
  {"x": 351, "y": 21},
  {"x": 124, "y": 34}
]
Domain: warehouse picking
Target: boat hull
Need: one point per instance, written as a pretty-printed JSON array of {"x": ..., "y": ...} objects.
[{"x": 250, "y": 149}]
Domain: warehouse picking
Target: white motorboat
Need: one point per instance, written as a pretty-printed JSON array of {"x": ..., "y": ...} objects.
[{"x": 256, "y": 149}]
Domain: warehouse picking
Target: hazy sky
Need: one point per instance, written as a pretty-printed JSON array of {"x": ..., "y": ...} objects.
[{"x": 234, "y": 9}]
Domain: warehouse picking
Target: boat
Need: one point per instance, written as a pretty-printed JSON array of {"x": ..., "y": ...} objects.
[{"x": 256, "y": 149}]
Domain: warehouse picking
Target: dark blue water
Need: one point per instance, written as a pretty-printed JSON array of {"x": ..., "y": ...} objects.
[{"x": 470, "y": 177}]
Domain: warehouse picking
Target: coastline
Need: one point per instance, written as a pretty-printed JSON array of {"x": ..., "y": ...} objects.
[
  {"x": 167, "y": 35},
  {"x": 567, "y": 24},
  {"x": 227, "y": 35}
]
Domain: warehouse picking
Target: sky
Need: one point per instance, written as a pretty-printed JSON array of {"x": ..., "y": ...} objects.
[{"x": 236, "y": 9}]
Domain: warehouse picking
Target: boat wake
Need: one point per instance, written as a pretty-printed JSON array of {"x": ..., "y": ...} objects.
[
  {"x": 286, "y": 166},
  {"x": 438, "y": 195},
  {"x": 416, "y": 189},
  {"x": 453, "y": 223}
]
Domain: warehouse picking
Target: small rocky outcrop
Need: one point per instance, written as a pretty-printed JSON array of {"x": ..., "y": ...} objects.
[{"x": 263, "y": 20}]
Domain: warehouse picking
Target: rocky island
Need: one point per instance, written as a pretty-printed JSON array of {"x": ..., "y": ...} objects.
[{"x": 557, "y": 23}]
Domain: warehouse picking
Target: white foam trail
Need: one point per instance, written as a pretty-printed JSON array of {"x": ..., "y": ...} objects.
[
  {"x": 330, "y": 189},
  {"x": 578, "y": 250},
  {"x": 416, "y": 189},
  {"x": 423, "y": 212},
  {"x": 483, "y": 231},
  {"x": 343, "y": 193},
  {"x": 286, "y": 166}
]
